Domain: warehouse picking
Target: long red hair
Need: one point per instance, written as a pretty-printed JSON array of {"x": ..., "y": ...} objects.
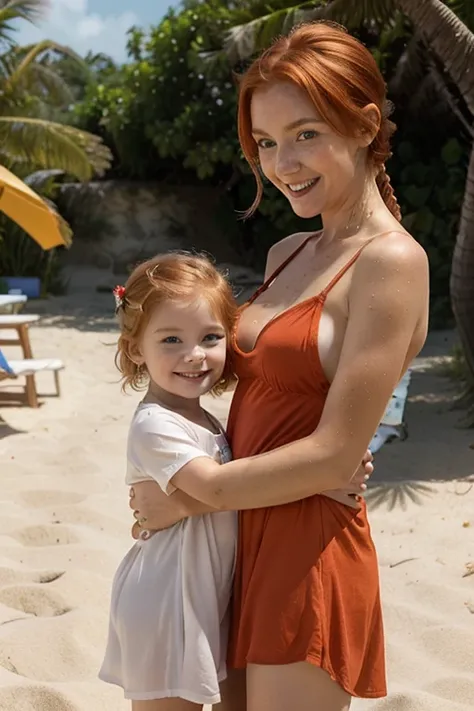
[{"x": 340, "y": 76}]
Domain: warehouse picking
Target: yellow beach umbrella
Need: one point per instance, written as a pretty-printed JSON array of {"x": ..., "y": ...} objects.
[{"x": 25, "y": 207}]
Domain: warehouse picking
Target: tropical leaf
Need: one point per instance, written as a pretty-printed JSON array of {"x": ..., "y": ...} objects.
[
  {"x": 47, "y": 84},
  {"x": 454, "y": 45},
  {"x": 464, "y": 9},
  {"x": 19, "y": 61},
  {"x": 355, "y": 13},
  {"x": 410, "y": 70},
  {"x": 46, "y": 144},
  {"x": 244, "y": 40},
  {"x": 10, "y": 10},
  {"x": 42, "y": 181},
  {"x": 447, "y": 97}
]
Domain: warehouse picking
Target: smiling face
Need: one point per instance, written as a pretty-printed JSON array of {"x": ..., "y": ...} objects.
[
  {"x": 314, "y": 167},
  {"x": 184, "y": 349}
]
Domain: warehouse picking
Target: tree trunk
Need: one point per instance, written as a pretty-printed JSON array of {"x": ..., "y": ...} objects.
[
  {"x": 462, "y": 272},
  {"x": 454, "y": 44},
  {"x": 452, "y": 41}
]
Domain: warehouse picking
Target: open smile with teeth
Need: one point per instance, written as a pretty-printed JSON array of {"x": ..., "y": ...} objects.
[
  {"x": 194, "y": 376},
  {"x": 300, "y": 187}
]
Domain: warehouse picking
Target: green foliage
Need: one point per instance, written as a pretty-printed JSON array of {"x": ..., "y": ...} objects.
[
  {"x": 429, "y": 183},
  {"x": 171, "y": 108},
  {"x": 31, "y": 90}
]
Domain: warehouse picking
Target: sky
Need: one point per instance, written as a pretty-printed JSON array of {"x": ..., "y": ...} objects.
[{"x": 97, "y": 25}]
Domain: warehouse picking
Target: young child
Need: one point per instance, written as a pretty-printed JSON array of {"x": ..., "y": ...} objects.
[{"x": 170, "y": 597}]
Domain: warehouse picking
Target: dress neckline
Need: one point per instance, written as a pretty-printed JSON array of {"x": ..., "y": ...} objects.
[{"x": 318, "y": 298}]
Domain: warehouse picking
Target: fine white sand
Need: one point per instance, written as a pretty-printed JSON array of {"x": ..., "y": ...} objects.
[{"x": 64, "y": 526}]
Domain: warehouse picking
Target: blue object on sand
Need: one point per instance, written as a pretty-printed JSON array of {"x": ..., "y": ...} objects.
[{"x": 4, "y": 365}]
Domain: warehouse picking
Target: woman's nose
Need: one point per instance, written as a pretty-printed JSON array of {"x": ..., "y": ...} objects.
[{"x": 286, "y": 163}]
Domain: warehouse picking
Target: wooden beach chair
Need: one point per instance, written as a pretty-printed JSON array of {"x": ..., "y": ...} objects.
[
  {"x": 14, "y": 331},
  {"x": 28, "y": 368}
]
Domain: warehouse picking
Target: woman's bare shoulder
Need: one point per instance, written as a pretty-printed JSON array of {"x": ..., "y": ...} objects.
[
  {"x": 281, "y": 250},
  {"x": 395, "y": 252},
  {"x": 394, "y": 263}
]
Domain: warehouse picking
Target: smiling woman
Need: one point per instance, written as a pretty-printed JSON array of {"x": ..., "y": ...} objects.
[{"x": 320, "y": 140}]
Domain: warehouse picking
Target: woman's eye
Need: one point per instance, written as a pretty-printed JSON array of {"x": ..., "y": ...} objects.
[
  {"x": 307, "y": 135},
  {"x": 171, "y": 339},
  {"x": 213, "y": 337},
  {"x": 265, "y": 143}
]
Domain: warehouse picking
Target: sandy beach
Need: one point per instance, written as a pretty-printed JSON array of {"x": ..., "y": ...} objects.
[{"x": 64, "y": 526}]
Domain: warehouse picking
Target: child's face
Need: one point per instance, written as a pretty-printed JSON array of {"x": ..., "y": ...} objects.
[{"x": 184, "y": 348}]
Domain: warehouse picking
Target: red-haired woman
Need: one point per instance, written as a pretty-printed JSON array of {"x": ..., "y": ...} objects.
[{"x": 318, "y": 351}]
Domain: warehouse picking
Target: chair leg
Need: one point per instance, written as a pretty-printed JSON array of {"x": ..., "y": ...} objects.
[
  {"x": 30, "y": 389},
  {"x": 24, "y": 338},
  {"x": 56, "y": 383}
]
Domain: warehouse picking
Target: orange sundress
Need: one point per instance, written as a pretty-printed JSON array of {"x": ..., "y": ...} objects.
[{"x": 306, "y": 585}]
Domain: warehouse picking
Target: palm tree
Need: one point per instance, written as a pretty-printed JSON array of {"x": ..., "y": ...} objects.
[
  {"x": 453, "y": 43},
  {"x": 29, "y": 88}
]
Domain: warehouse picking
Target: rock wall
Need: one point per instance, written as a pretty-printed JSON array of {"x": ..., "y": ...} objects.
[{"x": 117, "y": 223}]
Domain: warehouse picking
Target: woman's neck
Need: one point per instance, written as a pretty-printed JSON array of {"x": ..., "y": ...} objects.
[{"x": 356, "y": 215}]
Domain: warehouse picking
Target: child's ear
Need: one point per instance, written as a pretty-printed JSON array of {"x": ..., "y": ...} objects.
[{"x": 136, "y": 354}]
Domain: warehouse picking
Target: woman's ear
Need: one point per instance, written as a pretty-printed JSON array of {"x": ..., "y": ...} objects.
[{"x": 374, "y": 118}]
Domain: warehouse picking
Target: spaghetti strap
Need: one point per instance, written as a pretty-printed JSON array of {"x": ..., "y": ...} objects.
[
  {"x": 333, "y": 281},
  {"x": 280, "y": 268},
  {"x": 351, "y": 261}
]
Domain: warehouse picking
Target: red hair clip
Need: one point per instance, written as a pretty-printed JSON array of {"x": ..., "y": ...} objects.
[{"x": 119, "y": 295}]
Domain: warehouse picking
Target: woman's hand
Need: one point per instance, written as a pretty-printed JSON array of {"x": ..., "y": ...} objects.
[{"x": 351, "y": 495}]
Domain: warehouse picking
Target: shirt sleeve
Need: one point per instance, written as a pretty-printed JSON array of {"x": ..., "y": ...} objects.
[{"x": 160, "y": 445}]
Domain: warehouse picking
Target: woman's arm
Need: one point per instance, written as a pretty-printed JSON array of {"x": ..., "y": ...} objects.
[
  {"x": 162, "y": 511},
  {"x": 386, "y": 329}
]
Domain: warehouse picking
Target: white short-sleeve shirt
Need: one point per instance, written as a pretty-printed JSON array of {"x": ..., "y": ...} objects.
[{"x": 170, "y": 598}]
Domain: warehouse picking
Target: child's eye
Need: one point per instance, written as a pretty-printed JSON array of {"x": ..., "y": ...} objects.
[
  {"x": 171, "y": 339},
  {"x": 307, "y": 135},
  {"x": 213, "y": 337}
]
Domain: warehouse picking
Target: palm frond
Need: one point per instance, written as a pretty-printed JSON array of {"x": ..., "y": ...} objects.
[
  {"x": 28, "y": 10},
  {"x": 45, "y": 144},
  {"x": 410, "y": 70},
  {"x": 22, "y": 58},
  {"x": 450, "y": 39},
  {"x": 464, "y": 9},
  {"x": 244, "y": 40},
  {"x": 447, "y": 98},
  {"x": 44, "y": 82},
  {"x": 41, "y": 181},
  {"x": 355, "y": 13}
]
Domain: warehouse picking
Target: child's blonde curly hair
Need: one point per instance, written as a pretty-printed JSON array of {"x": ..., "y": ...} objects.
[{"x": 170, "y": 276}]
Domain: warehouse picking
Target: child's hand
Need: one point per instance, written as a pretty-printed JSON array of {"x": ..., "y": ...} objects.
[
  {"x": 351, "y": 495},
  {"x": 153, "y": 509}
]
